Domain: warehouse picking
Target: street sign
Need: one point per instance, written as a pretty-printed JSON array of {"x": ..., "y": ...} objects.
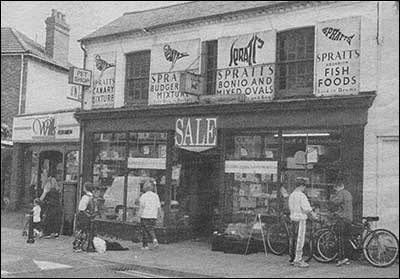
[{"x": 80, "y": 76}]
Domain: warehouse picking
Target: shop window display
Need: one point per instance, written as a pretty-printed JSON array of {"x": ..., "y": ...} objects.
[
  {"x": 251, "y": 167},
  {"x": 72, "y": 166},
  {"x": 108, "y": 173}
]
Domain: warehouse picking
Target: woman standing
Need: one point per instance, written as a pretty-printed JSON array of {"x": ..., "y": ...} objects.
[{"x": 53, "y": 212}]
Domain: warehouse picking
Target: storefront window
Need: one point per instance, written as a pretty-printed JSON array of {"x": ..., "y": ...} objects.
[
  {"x": 146, "y": 162},
  {"x": 251, "y": 175},
  {"x": 315, "y": 155},
  {"x": 109, "y": 173},
  {"x": 72, "y": 166}
]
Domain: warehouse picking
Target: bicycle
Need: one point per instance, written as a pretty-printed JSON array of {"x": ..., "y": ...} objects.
[
  {"x": 277, "y": 238},
  {"x": 380, "y": 247}
]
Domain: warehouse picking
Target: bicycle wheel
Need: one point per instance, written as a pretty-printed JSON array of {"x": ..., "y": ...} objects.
[
  {"x": 381, "y": 248},
  {"x": 327, "y": 245},
  {"x": 278, "y": 239},
  {"x": 316, "y": 255}
]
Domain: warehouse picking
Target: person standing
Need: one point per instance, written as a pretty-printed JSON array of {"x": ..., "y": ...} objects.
[
  {"x": 300, "y": 208},
  {"x": 149, "y": 210},
  {"x": 342, "y": 203},
  {"x": 86, "y": 209},
  {"x": 53, "y": 211}
]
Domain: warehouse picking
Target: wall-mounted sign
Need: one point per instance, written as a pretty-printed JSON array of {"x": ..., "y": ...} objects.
[
  {"x": 168, "y": 62},
  {"x": 245, "y": 66},
  {"x": 191, "y": 84},
  {"x": 241, "y": 166},
  {"x": 196, "y": 133},
  {"x": 147, "y": 163},
  {"x": 44, "y": 128},
  {"x": 337, "y": 57},
  {"x": 80, "y": 76},
  {"x": 75, "y": 92},
  {"x": 103, "y": 89}
]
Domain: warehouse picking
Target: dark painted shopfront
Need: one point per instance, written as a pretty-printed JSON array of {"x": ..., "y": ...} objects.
[{"x": 259, "y": 150}]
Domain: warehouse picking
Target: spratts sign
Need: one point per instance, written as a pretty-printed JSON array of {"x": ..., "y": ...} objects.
[
  {"x": 44, "y": 127},
  {"x": 196, "y": 133}
]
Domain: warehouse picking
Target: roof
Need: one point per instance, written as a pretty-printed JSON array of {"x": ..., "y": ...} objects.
[
  {"x": 135, "y": 21},
  {"x": 13, "y": 41}
]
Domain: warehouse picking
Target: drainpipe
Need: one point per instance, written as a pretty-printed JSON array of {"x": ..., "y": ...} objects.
[
  {"x": 81, "y": 142},
  {"x": 21, "y": 84}
]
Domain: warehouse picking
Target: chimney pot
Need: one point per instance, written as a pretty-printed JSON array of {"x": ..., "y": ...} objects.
[{"x": 53, "y": 12}]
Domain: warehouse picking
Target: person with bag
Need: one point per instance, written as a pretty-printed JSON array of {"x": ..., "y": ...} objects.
[{"x": 53, "y": 212}]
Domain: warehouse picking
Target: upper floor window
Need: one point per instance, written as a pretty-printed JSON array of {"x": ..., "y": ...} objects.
[
  {"x": 210, "y": 50},
  {"x": 137, "y": 77},
  {"x": 295, "y": 62}
]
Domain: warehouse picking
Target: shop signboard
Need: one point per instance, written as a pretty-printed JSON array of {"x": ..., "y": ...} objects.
[
  {"x": 246, "y": 65},
  {"x": 242, "y": 166},
  {"x": 196, "y": 133},
  {"x": 103, "y": 89},
  {"x": 337, "y": 57},
  {"x": 147, "y": 163},
  {"x": 80, "y": 76},
  {"x": 75, "y": 92},
  {"x": 46, "y": 128},
  {"x": 169, "y": 61}
]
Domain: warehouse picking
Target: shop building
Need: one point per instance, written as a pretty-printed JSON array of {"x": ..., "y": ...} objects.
[
  {"x": 45, "y": 133},
  {"x": 224, "y": 107}
]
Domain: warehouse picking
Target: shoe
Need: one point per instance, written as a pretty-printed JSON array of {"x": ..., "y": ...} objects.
[
  {"x": 56, "y": 235},
  {"x": 78, "y": 250},
  {"x": 291, "y": 262},
  {"x": 342, "y": 262},
  {"x": 155, "y": 243},
  {"x": 301, "y": 264},
  {"x": 145, "y": 248}
]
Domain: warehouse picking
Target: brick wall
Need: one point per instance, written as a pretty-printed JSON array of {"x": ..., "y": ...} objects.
[{"x": 10, "y": 86}]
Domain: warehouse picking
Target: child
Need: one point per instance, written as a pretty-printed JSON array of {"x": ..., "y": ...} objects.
[{"x": 36, "y": 217}]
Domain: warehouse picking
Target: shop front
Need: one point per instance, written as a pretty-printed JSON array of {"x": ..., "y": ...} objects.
[
  {"x": 47, "y": 144},
  {"x": 216, "y": 164}
]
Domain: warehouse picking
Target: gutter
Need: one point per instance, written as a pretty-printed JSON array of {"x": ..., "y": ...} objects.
[{"x": 21, "y": 84}]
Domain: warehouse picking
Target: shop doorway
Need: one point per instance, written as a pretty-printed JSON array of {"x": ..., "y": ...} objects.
[
  {"x": 50, "y": 163},
  {"x": 201, "y": 172}
]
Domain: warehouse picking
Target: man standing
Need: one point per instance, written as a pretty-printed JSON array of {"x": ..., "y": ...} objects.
[
  {"x": 342, "y": 203},
  {"x": 299, "y": 209},
  {"x": 149, "y": 210}
]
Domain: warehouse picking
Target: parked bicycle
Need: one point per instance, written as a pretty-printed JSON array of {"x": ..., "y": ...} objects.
[
  {"x": 277, "y": 237},
  {"x": 380, "y": 247}
]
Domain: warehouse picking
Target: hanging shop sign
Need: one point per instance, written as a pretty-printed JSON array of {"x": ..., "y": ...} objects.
[
  {"x": 80, "y": 76},
  {"x": 75, "y": 92},
  {"x": 241, "y": 166},
  {"x": 169, "y": 61},
  {"x": 103, "y": 89},
  {"x": 245, "y": 66},
  {"x": 45, "y": 128},
  {"x": 337, "y": 57},
  {"x": 196, "y": 133}
]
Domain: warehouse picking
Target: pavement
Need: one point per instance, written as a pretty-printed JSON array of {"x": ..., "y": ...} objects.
[{"x": 55, "y": 258}]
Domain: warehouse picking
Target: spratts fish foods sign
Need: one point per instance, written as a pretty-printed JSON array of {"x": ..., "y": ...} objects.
[
  {"x": 245, "y": 65},
  {"x": 337, "y": 57}
]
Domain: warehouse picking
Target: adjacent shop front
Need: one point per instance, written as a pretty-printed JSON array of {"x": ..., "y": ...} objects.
[
  {"x": 220, "y": 163},
  {"x": 45, "y": 144}
]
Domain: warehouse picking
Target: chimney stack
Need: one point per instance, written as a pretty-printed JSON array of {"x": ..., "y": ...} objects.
[{"x": 57, "y": 37}]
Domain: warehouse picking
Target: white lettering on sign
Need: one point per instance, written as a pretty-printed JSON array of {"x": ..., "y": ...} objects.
[
  {"x": 196, "y": 133},
  {"x": 80, "y": 76}
]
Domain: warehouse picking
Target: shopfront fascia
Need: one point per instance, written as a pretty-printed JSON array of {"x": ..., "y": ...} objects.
[{"x": 260, "y": 149}]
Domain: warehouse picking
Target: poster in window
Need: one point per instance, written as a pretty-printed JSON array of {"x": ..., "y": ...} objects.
[
  {"x": 168, "y": 61},
  {"x": 246, "y": 65},
  {"x": 337, "y": 57},
  {"x": 103, "y": 89}
]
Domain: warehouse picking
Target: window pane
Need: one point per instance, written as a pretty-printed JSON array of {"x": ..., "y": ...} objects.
[{"x": 137, "y": 85}]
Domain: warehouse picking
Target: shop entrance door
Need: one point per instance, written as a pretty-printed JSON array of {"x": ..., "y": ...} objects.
[{"x": 202, "y": 171}]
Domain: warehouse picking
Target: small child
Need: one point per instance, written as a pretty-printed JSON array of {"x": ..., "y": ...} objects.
[{"x": 36, "y": 217}]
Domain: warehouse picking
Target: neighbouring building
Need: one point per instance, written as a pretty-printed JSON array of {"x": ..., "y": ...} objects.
[
  {"x": 223, "y": 104},
  {"x": 45, "y": 134}
]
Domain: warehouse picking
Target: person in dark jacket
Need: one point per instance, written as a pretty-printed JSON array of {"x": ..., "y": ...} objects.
[
  {"x": 53, "y": 211},
  {"x": 342, "y": 207}
]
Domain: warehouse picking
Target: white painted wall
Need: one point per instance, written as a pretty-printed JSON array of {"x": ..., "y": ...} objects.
[
  {"x": 46, "y": 89},
  {"x": 279, "y": 21},
  {"x": 383, "y": 123}
]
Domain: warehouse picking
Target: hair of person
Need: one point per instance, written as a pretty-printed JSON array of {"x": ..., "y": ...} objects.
[
  {"x": 88, "y": 186},
  {"x": 148, "y": 186}
]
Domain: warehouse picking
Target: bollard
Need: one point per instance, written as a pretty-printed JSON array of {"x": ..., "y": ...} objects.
[
  {"x": 90, "y": 247},
  {"x": 31, "y": 239}
]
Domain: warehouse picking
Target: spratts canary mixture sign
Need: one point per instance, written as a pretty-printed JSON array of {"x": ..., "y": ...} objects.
[
  {"x": 168, "y": 61},
  {"x": 103, "y": 88},
  {"x": 337, "y": 57}
]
